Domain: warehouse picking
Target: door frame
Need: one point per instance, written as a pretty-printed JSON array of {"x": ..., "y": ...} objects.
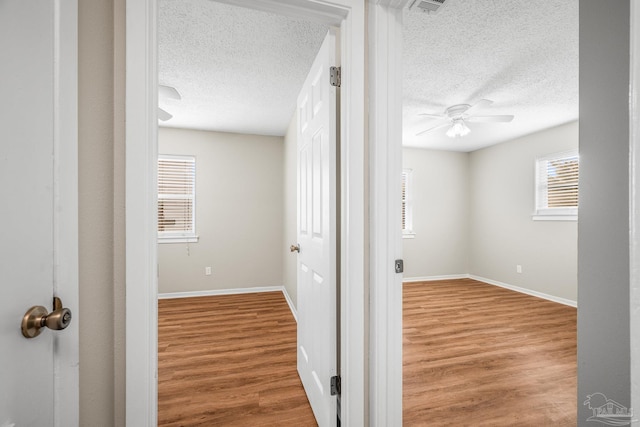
[
  {"x": 141, "y": 195},
  {"x": 385, "y": 26},
  {"x": 66, "y": 378},
  {"x": 634, "y": 204}
]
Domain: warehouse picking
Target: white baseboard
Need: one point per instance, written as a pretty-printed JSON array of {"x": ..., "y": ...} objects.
[
  {"x": 290, "y": 302},
  {"x": 542, "y": 295},
  {"x": 208, "y": 293},
  {"x": 434, "y": 278}
]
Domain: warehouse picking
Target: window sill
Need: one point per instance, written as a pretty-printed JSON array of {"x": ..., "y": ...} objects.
[
  {"x": 408, "y": 235},
  {"x": 554, "y": 217},
  {"x": 178, "y": 239}
]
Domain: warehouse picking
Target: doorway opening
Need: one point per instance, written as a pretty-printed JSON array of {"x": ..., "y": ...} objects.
[
  {"x": 475, "y": 215},
  {"x": 225, "y": 116}
]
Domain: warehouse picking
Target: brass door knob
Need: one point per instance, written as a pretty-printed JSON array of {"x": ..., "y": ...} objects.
[
  {"x": 37, "y": 318},
  {"x": 295, "y": 248}
]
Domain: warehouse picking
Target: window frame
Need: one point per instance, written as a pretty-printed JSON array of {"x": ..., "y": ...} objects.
[
  {"x": 407, "y": 203},
  {"x": 178, "y": 236},
  {"x": 542, "y": 212}
]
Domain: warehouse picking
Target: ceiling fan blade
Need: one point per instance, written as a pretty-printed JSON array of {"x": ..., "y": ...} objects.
[
  {"x": 483, "y": 103},
  {"x": 168, "y": 92},
  {"x": 490, "y": 119},
  {"x": 448, "y": 123},
  {"x": 163, "y": 115},
  {"x": 433, "y": 116}
]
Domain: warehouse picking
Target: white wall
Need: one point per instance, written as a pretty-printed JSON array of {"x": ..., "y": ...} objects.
[
  {"x": 290, "y": 188},
  {"x": 440, "y": 213},
  {"x": 503, "y": 233},
  {"x": 239, "y": 210}
]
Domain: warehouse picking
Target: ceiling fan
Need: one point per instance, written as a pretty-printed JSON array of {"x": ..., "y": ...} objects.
[
  {"x": 165, "y": 93},
  {"x": 457, "y": 116}
]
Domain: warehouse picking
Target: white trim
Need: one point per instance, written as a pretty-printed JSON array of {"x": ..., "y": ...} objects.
[
  {"x": 542, "y": 295},
  {"x": 292, "y": 307},
  {"x": 549, "y": 217},
  {"x": 65, "y": 218},
  {"x": 214, "y": 292},
  {"x": 141, "y": 211},
  {"x": 385, "y": 151},
  {"x": 141, "y": 193},
  {"x": 634, "y": 206},
  {"x": 178, "y": 239},
  {"x": 531, "y": 292},
  {"x": 434, "y": 278},
  {"x": 234, "y": 291}
]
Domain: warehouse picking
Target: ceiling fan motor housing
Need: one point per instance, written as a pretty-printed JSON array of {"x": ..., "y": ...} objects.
[{"x": 427, "y": 6}]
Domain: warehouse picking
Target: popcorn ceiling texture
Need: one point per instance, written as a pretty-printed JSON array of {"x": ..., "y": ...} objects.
[
  {"x": 522, "y": 55},
  {"x": 240, "y": 70}
]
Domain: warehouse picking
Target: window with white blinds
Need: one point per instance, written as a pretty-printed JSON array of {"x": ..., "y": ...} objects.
[
  {"x": 557, "y": 186},
  {"x": 407, "y": 203},
  {"x": 176, "y": 198}
]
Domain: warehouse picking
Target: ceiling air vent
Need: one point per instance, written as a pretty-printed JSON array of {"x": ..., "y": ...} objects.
[{"x": 429, "y": 6}]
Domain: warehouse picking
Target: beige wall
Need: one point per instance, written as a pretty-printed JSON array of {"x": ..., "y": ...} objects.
[
  {"x": 290, "y": 219},
  {"x": 502, "y": 232},
  {"x": 101, "y": 212},
  {"x": 472, "y": 215},
  {"x": 440, "y": 213},
  {"x": 239, "y": 211}
]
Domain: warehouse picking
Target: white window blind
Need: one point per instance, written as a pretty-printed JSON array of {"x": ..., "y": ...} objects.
[
  {"x": 176, "y": 198},
  {"x": 557, "y": 186},
  {"x": 407, "y": 203}
]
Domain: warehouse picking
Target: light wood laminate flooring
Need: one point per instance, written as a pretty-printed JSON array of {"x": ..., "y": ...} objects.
[
  {"x": 480, "y": 355},
  {"x": 229, "y": 360},
  {"x": 474, "y": 355}
]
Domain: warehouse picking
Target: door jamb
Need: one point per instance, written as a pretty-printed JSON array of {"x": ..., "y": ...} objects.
[
  {"x": 66, "y": 402},
  {"x": 385, "y": 160},
  {"x": 634, "y": 204},
  {"x": 141, "y": 154}
]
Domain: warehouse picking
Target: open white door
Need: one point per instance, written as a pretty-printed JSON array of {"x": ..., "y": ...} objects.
[
  {"x": 38, "y": 189},
  {"x": 317, "y": 234}
]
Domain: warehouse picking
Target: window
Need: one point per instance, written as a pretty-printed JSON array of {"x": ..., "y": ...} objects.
[
  {"x": 176, "y": 199},
  {"x": 557, "y": 187},
  {"x": 407, "y": 204}
]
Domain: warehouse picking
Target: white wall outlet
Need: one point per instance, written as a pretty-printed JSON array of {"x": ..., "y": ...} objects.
[
  {"x": 207, "y": 271},
  {"x": 518, "y": 268}
]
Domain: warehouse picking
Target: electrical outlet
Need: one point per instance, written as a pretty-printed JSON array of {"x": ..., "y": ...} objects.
[
  {"x": 207, "y": 271},
  {"x": 518, "y": 268}
]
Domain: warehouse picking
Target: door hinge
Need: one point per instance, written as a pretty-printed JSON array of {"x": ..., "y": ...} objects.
[
  {"x": 334, "y": 76},
  {"x": 335, "y": 385},
  {"x": 399, "y": 264}
]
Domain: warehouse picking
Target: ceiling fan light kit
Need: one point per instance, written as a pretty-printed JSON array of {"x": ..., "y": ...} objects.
[{"x": 458, "y": 129}]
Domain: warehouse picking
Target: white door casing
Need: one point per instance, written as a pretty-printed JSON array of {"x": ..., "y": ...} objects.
[
  {"x": 317, "y": 233},
  {"x": 38, "y": 186}
]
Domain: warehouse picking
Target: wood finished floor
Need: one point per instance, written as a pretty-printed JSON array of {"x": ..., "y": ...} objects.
[
  {"x": 480, "y": 355},
  {"x": 474, "y": 355},
  {"x": 229, "y": 360}
]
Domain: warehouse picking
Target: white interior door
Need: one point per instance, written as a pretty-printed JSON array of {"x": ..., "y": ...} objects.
[
  {"x": 38, "y": 189},
  {"x": 317, "y": 231}
]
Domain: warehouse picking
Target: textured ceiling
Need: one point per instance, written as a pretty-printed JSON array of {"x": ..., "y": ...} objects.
[
  {"x": 237, "y": 70},
  {"x": 240, "y": 70},
  {"x": 522, "y": 55}
]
